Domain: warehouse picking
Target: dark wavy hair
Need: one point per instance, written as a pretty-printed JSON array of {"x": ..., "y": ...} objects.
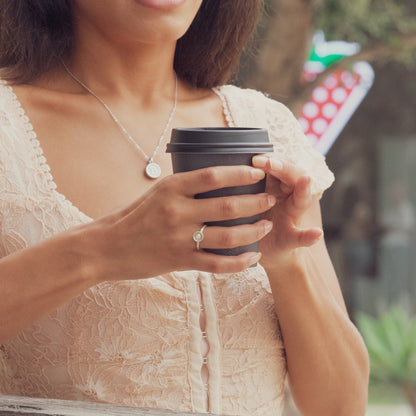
[{"x": 35, "y": 35}]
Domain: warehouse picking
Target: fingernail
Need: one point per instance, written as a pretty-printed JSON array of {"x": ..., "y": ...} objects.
[
  {"x": 257, "y": 174},
  {"x": 320, "y": 231},
  {"x": 260, "y": 161},
  {"x": 268, "y": 227},
  {"x": 271, "y": 200},
  {"x": 255, "y": 258},
  {"x": 276, "y": 164}
]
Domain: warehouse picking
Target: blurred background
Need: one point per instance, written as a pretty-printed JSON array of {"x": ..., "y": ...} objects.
[{"x": 347, "y": 69}]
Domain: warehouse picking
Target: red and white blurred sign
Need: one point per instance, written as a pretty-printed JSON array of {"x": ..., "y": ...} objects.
[{"x": 333, "y": 102}]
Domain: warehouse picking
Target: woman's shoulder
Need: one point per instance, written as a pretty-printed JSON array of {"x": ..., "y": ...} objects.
[
  {"x": 4, "y": 92},
  {"x": 14, "y": 125},
  {"x": 253, "y": 106},
  {"x": 9, "y": 105}
]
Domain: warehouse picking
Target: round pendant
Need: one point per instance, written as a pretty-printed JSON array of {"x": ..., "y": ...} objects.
[{"x": 153, "y": 170}]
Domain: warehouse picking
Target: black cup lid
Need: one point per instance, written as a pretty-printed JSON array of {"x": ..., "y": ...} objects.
[
  {"x": 219, "y": 135},
  {"x": 219, "y": 140}
]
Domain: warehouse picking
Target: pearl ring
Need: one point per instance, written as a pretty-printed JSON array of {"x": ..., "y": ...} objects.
[{"x": 198, "y": 236}]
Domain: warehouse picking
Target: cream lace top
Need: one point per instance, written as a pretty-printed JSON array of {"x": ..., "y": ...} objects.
[{"x": 140, "y": 343}]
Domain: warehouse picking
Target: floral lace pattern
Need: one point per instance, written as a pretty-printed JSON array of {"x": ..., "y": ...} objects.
[{"x": 138, "y": 343}]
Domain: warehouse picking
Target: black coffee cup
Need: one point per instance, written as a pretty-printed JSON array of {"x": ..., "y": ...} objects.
[{"x": 196, "y": 148}]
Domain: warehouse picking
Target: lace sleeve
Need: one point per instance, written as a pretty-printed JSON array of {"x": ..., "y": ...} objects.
[{"x": 290, "y": 141}]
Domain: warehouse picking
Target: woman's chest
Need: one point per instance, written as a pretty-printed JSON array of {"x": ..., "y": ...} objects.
[
  {"x": 98, "y": 171},
  {"x": 99, "y": 164}
]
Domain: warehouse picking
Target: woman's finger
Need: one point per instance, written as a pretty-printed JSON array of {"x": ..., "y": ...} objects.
[
  {"x": 230, "y": 207},
  {"x": 216, "y": 177},
  {"x": 215, "y": 263},
  {"x": 304, "y": 237},
  {"x": 301, "y": 197},
  {"x": 231, "y": 237},
  {"x": 281, "y": 169},
  {"x": 182, "y": 186}
]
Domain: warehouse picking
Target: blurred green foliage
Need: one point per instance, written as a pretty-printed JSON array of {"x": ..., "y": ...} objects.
[
  {"x": 391, "y": 344},
  {"x": 364, "y": 21},
  {"x": 371, "y": 23}
]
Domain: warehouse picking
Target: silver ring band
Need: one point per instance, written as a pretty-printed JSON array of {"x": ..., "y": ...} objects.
[{"x": 198, "y": 236}]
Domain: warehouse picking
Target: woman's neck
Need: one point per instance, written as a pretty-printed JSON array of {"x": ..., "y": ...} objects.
[
  {"x": 141, "y": 70},
  {"x": 119, "y": 71}
]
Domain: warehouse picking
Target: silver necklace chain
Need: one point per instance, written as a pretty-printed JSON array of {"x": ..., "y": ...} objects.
[{"x": 152, "y": 169}]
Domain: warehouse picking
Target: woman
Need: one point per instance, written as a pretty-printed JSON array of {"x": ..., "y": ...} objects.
[{"x": 96, "y": 302}]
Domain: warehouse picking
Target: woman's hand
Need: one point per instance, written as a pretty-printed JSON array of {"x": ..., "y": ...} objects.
[
  {"x": 291, "y": 187},
  {"x": 154, "y": 234},
  {"x": 313, "y": 319}
]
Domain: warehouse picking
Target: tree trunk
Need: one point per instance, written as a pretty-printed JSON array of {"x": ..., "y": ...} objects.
[{"x": 280, "y": 61}]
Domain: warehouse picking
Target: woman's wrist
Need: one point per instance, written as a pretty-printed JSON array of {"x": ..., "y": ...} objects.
[
  {"x": 87, "y": 247},
  {"x": 285, "y": 263}
]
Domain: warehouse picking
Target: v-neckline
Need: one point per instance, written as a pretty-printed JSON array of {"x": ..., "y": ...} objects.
[{"x": 44, "y": 167}]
